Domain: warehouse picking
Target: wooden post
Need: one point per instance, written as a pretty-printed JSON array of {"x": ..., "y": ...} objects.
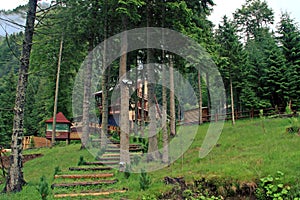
[{"x": 56, "y": 93}]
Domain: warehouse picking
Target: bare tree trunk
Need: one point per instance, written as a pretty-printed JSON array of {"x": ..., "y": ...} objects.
[
  {"x": 143, "y": 105},
  {"x": 124, "y": 115},
  {"x": 86, "y": 97},
  {"x": 232, "y": 102},
  {"x": 172, "y": 99},
  {"x": 136, "y": 100},
  {"x": 104, "y": 103},
  {"x": 165, "y": 134},
  {"x": 56, "y": 93},
  {"x": 200, "y": 97},
  {"x": 153, "y": 153},
  {"x": 15, "y": 179},
  {"x": 165, "y": 156},
  {"x": 208, "y": 97},
  {"x": 104, "y": 88}
]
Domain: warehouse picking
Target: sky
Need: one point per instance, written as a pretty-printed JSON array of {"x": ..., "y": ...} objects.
[
  {"x": 224, "y": 7},
  {"x": 227, "y": 7}
]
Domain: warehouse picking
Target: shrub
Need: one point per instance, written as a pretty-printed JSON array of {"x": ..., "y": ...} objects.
[
  {"x": 145, "y": 180},
  {"x": 295, "y": 191},
  {"x": 43, "y": 188},
  {"x": 81, "y": 161},
  {"x": 127, "y": 171},
  {"x": 272, "y": 188},
  {"x": 57, "y": 170}
]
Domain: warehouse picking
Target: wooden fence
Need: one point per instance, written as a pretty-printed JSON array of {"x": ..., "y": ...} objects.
[
  {"x": 192, "y": 116},
  {"x": 35, "y": 142}
]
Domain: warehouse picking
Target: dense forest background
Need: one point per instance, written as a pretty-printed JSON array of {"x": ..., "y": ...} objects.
[{"x": 259, "y": 64}]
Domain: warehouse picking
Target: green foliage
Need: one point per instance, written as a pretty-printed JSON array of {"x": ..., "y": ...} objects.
[
  {"x": 294, "y": 192},
  {"x": 127, "y": 171},
  {"x": 7, "y": 99},
  {"x": 43, "y": 188},
  {"x": 289, "y": 35},
  {"x": 294, "y": 125},
  {"x": 81, "y": 161},
  {"x": 288, "y": 110},
  {"x": 149, "y": 197},
  {"x": 57, "y": 170},
  {"x": 145, "y": 180},
  {"x": 253, "y": 16},
  {"x": 272, "y": 188},
  {"x": 115, "y": 137}
]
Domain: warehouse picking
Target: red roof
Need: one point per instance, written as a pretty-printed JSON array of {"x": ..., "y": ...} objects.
[{"x": 60, "y": 118}]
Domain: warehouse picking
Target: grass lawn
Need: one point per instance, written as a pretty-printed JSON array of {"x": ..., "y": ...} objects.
[{"x": 246, "y": 152}]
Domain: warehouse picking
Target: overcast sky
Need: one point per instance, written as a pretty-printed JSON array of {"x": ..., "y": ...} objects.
[
  {"x": 224, "y": 7},
  {"x": 227, "y": 7}
]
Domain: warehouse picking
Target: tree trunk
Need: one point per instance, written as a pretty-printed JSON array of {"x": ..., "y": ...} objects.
[
  {"x": 153, "y": 153},
  {"x": 208, "y": 97},
  {"x": 104, "y": 99},
  {"x": 143, "y": 105},
  {"x": 15, "y": 179},
  {"x": 172, "y": 99},
  {"x": 56, "y": 93},
  {"x": 232, "y": 102},
  {"x": 124, "y": 115},
  {"x": 86, "y": 97},
  {"x": 200, "y": 97},
  {"x": 165, "y": 156},
  {"x": 136, "y": 100},
  {"x": 104, "y": 103}
]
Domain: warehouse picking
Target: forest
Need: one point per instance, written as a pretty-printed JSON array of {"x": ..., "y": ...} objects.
[{"x": 259, "y": 64}]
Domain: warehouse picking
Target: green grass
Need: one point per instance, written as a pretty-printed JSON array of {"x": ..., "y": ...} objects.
[{"x": 245, "y": 152}]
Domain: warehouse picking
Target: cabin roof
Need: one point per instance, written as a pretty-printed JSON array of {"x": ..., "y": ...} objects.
[{"x": 60, "y": 118}]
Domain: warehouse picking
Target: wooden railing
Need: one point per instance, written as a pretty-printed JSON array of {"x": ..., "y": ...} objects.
[{"x": 193, "y": 118}]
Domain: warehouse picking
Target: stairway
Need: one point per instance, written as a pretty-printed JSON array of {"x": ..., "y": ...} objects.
[
  {"x": 111, "y": 157},
  {"x": 94, "y": 178},
  {"x": 85, "y": 180}
]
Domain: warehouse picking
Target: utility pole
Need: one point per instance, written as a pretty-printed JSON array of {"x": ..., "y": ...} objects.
[{"x": 56, "y": 93}]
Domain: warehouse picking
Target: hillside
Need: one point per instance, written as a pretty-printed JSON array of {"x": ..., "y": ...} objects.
[
  {"x": 251, "y": 150},
  {"x": 12, "y": 20}
]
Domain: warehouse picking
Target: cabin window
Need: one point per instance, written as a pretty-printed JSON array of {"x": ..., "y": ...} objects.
[{"x": 59, "y": 127}]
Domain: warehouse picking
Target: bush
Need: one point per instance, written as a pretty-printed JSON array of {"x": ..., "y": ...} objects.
[
  {"x": 145, "y": 180},
  {"x": 127, "y": 171},
  {"x": 272, "y": 188},
  {"x": 81, "y": 161},
  {"x": 57, "y": 170},
  {"x": 43, "y": 188},
  {"x": 295, "y": 191}
]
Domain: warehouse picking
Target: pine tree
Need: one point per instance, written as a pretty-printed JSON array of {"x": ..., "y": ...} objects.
[
  {"x": 231, "y": 58},
  {"x": 289, "y": 40},
  {"x": 7, "y": 99},
  {"x": 253, "y": 16}
]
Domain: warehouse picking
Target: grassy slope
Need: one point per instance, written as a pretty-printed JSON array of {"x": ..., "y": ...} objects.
[{"x": 245, "y": 152}]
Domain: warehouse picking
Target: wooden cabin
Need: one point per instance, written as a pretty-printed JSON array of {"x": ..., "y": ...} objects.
[
  {"x": 62, "y": 127},
  {"x": 114, "y": 110},
  {"x": 192, "y": 116}
]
